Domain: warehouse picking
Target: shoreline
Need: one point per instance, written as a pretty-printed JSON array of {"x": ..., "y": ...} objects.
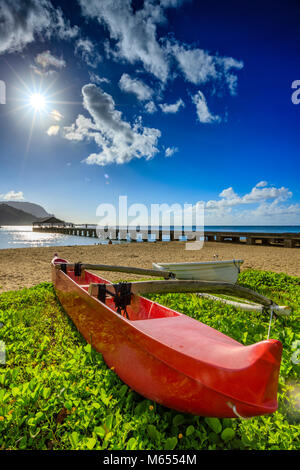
[{"x": 26, "y": 267}]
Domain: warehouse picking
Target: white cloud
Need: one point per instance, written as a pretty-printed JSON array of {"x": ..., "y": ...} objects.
[
  {"x": 47, "y": 64},
  {"x": 46, "y": 59},
  {"x": 22, "y": 21},
  {"x": 265, "y": 213},
  {"x": 86, "y": 49},
  {"x": 53, "y": 130},
  {"x": 12, "y": 196},
  {"x": 119, "y": 141},
  {"x": 98, "y": 80},
  {"x": 133, "y": 37},
  {"x": 170, "y": 151},
  {"x": 273, "y": 210},
  {"x": 228, "y": 194},
  {"x": 150, "y": 107},
  {"x": 133, "y": 85},
  {"x": 257, "y": 194},
  {"x": 229, "y": 198},
  {"x": 269, "y": 207},
  {"x": 196, "y": 64},
  {"x": 262, "y": 205},
  {"x": 199, "y": 66},
  {"x": 80, "y": 130},
  {"x": 203, "y": 113},
  {"x": 56, "y": 115},
  {"x": 172, "y": 108},
  {"x": 261, "y": 184},
  {"x": 134, "y": 34}
]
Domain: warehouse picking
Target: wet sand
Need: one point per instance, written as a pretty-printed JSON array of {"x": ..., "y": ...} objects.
[{"x": 25, "y": 267}]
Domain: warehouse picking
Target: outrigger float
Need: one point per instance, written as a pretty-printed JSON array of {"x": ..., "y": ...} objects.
[
  {"x": 217, "y": 270},
  {"x": 165, "y": 355}
]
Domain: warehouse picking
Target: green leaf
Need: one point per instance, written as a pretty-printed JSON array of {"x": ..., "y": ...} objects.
[
  {"x": 74, "y": 439},
  {"x": 100, "y": 431},
  {"x": 104, "y": 397},
  {"x": 39, "y": 415},
  {"x": 15, "y": 391},
  {"x": 123, "y": 391},
  {"x": 91, "y": 442},
  {"x": 171, "y": 443},
  {"x": 228, "y": 434},
  {"x": 228, "y": 422},
  {"x": 96, "y": 405},
  {"x": 214, "y": 424},
  {"x": 190, "y": 430},
  {"x": 88, "y": 348},
  {"x": 141, "y": 408},
  {"x": 109, "y": 422},
  {"x": 131, "y": 444},
  {"x": 178, "y": 420},
  {"x": 108, "y": 436},
  {"x": 46, "y": 392},
  {"x": 152, "y": 432}
]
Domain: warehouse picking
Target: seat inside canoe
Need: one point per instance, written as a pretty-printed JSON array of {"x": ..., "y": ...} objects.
[{"x": 139, "y": 308}]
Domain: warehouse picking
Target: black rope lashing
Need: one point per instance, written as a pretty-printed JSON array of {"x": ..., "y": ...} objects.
[
  {"x": 122, "y": 297},
  {"x": 77, "y": 269},
  {"x": 63, "y": 267},
  {"x": 101, "y": 294}
]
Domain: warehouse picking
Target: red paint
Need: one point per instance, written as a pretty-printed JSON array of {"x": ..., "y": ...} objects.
[{"x": 171, "y": 358}]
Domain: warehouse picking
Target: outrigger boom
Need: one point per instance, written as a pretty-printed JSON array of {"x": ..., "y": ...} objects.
[
  {"x": 178, "y": 286},
  {"x": 123, "y": 269},
  {"x": 171, "y": 285}
]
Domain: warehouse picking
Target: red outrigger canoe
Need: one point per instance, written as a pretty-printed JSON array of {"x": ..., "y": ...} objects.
[{"x": 169, "y": 357}]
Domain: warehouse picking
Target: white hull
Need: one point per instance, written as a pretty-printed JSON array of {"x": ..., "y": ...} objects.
[{"x": 226, "y": 271}]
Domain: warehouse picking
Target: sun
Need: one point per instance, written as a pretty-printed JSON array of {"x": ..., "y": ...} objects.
[{"x": 37, "y": 101}]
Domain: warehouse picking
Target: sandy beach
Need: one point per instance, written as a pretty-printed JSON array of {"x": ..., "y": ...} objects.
[{"x": 25, "y": 267}]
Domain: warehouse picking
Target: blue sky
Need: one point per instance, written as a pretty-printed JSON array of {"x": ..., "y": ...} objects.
[{"x": 167, "y": 101}]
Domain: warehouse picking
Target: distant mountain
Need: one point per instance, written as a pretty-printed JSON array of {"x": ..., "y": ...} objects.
[
  {"x": 34, "y": 209},
  {"x": 11, "y": 216}
]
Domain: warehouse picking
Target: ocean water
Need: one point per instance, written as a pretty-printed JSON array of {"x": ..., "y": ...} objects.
[{"x": 24, "y": 237}]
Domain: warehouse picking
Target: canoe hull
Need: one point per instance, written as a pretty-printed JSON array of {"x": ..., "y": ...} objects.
[
  {"x": 226, "y": 271},
  {"x": 154, "y": 370}
]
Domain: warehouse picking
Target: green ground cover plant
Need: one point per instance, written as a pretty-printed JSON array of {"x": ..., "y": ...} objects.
[{"x": 56, "y": 392}]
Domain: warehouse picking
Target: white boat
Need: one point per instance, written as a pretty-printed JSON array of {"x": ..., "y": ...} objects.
[{"x": 226, "y": 271}]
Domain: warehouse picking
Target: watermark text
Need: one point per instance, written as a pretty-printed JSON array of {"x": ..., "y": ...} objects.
[
  {"x": 296, "y": 94},
  {"x": 2, "y": 92},
  {"x": 139, "y": 221}
]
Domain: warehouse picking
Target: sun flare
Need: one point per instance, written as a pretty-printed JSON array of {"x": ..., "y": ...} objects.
[{"x": 37, "y": 101}]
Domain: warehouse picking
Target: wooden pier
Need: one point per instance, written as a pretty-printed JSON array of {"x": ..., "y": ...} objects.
[
  {"x": 287, "y": 240},
  {"x": 115, "y": 233}
]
